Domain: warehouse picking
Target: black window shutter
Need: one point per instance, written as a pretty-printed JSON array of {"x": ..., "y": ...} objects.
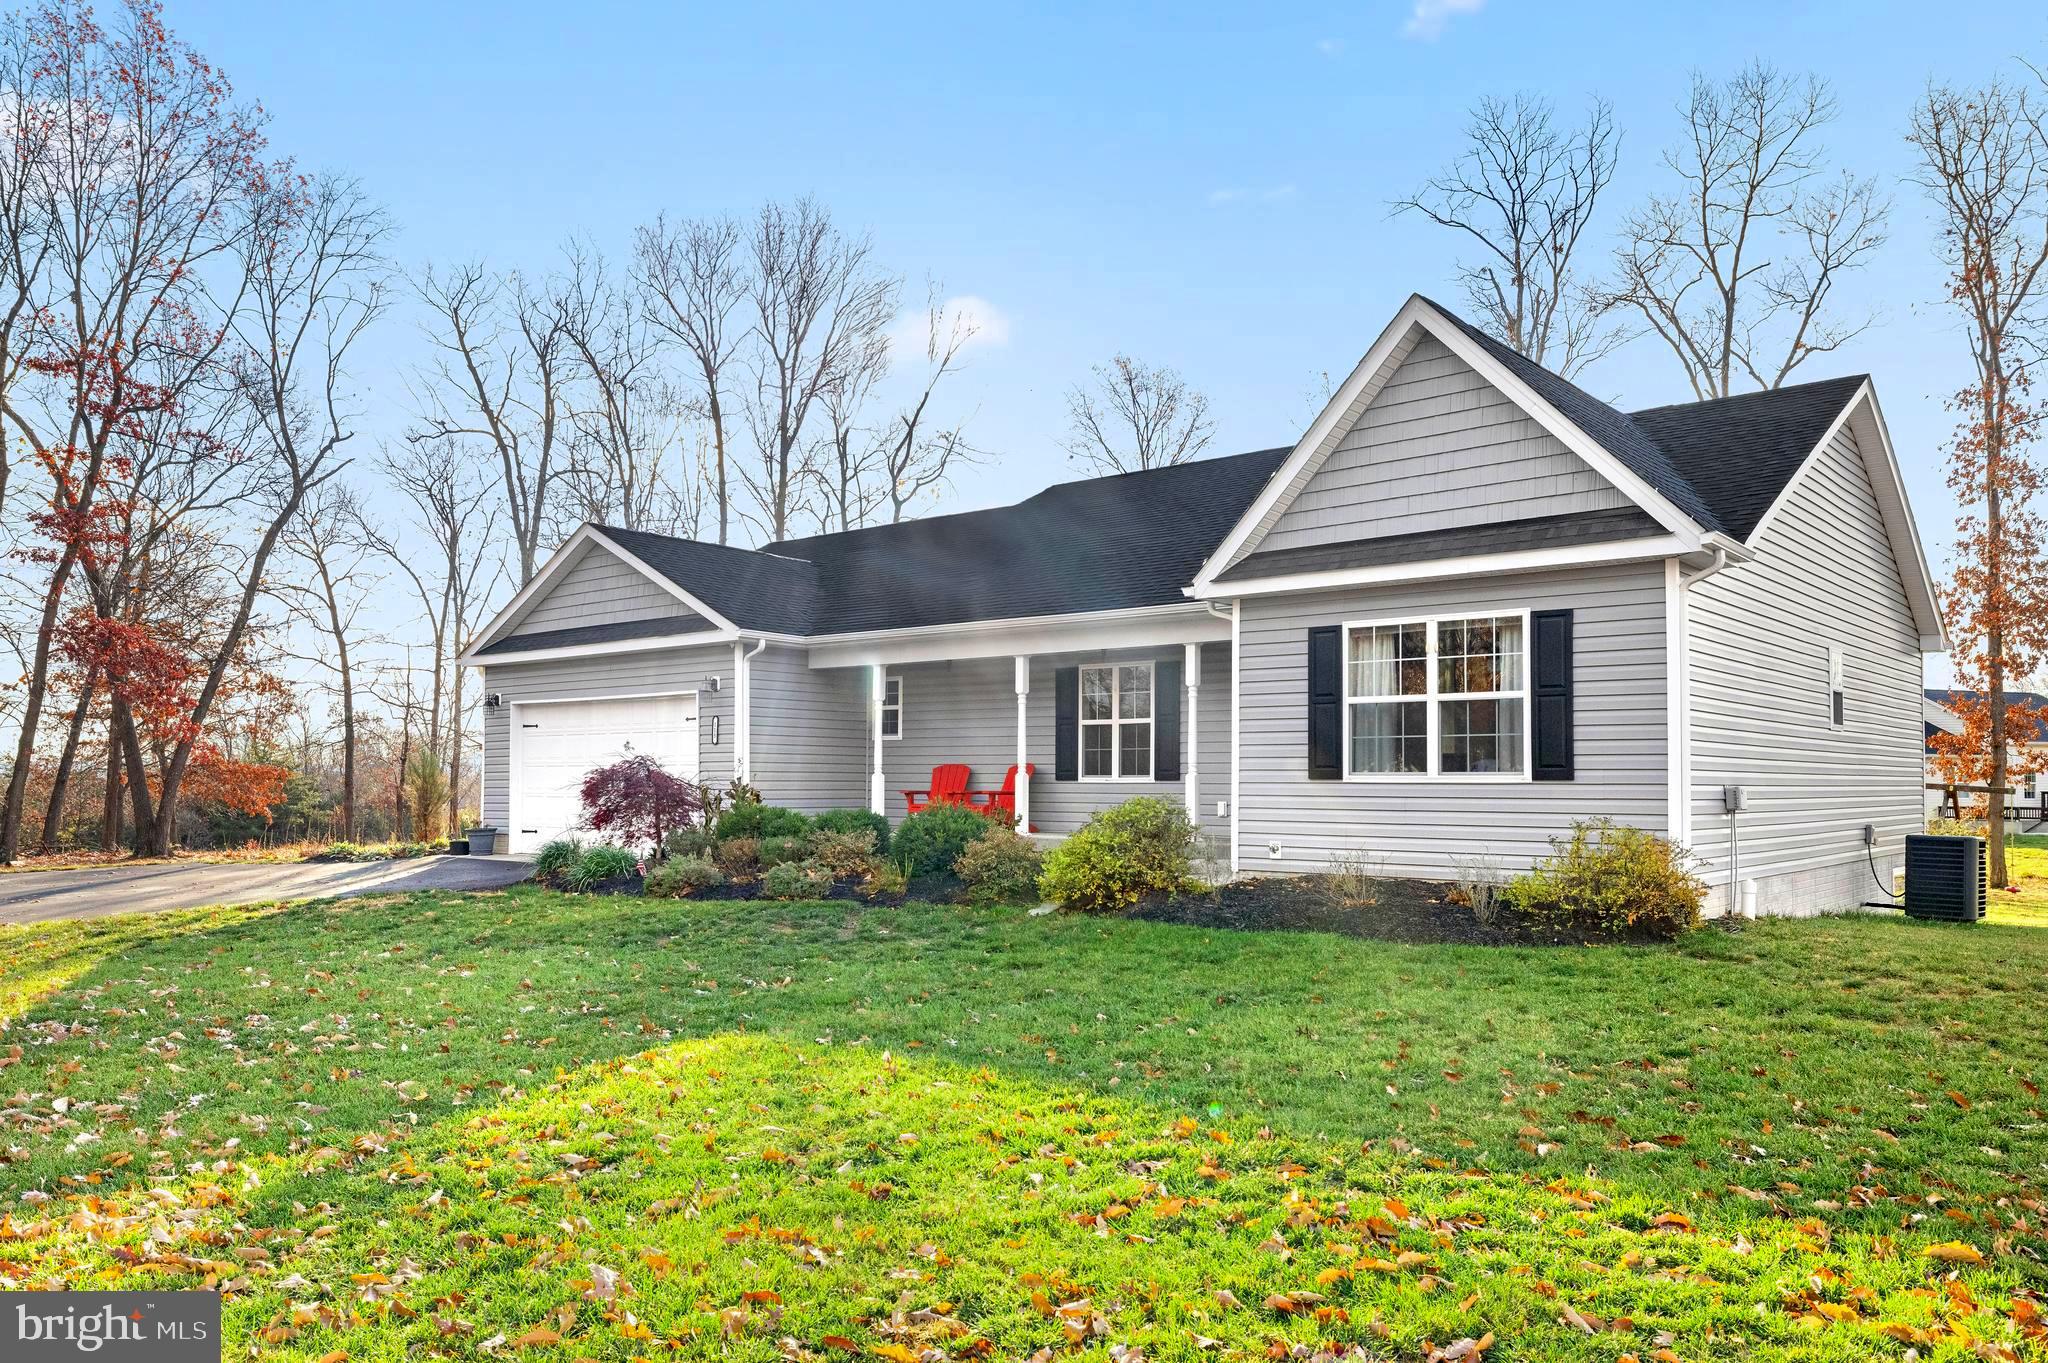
[
  {"x": 1325, "y": 704},
  {"x": 1166, "y": 698},
  {"x": 1551, "y": 690},
  {"x": 1066, "y": 724}
]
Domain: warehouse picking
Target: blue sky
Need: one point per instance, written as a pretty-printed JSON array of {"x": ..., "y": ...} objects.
[{"x": 1200, "y": 186}]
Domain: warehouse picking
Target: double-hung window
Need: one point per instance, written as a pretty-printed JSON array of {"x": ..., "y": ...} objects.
[
  {"x": 1116, "y": 722},
  {"x": 1444, "y": 697},
  {"x": 892, "y": 707}
]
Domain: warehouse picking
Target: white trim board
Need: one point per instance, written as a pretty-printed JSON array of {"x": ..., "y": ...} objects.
[
  {"x": 1146, "y": 627},
  {"x": 1489, "y": 565},
  {"x": 1345, "y": 406},
  {"x": 651, "y": 644}
]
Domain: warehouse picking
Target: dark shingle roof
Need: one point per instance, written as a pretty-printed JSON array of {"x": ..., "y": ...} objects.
[
  {"x": 1132, "y": 539},
  {"x": 1721, "y": 462},
  {"x": 611, "y": 633},
  {"x": 755, "y": 590},
  {"x": 1740, "y": 452},
  {"x": 1536, "y": 532}
]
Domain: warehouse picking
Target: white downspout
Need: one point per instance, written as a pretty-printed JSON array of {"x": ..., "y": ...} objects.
[
  {"x": 743, "y": 707},
  {"x": 1684, "y": 693},
  {"x": 1236, "y": 711},
  {"x": 1191, "y": 677}
]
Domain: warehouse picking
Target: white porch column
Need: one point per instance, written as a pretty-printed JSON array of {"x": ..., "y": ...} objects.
[
  {"x": 1191, "y": 673},
  {"x": 877, "y": 680},
  {"x": 1023, "y": 666}
]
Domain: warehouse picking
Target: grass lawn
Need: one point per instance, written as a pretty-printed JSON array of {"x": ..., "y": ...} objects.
[{"x": 556, "y": 1127}]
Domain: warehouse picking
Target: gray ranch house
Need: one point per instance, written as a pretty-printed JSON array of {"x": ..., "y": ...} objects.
[{"x": 1470, "y": 606}]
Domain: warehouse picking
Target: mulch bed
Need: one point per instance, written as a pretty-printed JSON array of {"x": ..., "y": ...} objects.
[{"x": 1414, "y": 911}]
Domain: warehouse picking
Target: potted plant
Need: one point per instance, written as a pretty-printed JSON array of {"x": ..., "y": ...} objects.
[{"x": 482, "y": 841}]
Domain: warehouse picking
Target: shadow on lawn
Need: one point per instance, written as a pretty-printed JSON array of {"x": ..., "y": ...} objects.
[{"x": 1795, "y": 1080}]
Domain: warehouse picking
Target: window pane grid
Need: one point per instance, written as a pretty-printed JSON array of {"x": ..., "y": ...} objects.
[
  {"x": 1469, "y": 715},
  {"x": 1116, "y": 722}
]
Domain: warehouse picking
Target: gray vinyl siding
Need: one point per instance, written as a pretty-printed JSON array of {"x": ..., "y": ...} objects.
[
  {"x": 1759, "y": 633},
  {"x": 810, "y": 731},
  {"x": 1417, "y": 827},
  {"x": 966, "y": 711},
  {"x": 600, "y": 588},
  {"x": 1438, "y": 447},
  {"x": 611, "y": 674}
]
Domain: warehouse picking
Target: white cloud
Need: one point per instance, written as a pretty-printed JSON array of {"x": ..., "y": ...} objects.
[
  {"x": 1330, "y": 47},
  {"x": 988, "y": 324},
  {"x": 1426, "y": 21},
  {"x": 1271, "y": 195}
]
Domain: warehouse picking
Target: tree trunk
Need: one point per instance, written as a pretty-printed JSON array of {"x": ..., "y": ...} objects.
[
  {"x": 32, "y": 710},
  {"x": 53, "y": 816},
  {"x": 455, "y": 755},
  {"x": 348, "y": 751},
  {"x": 718, "y": 455},
  {"x": 110, "y": 799}
]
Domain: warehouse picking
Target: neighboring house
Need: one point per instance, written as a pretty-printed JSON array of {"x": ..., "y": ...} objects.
[
  {"x": 1943, "y": 717},
  {"x": 1471, "y": 605}
]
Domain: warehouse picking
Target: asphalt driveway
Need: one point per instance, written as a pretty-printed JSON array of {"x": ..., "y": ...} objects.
[{"x": 41, "y": 896}]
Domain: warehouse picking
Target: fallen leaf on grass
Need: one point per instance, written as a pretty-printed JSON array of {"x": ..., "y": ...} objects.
[{"x": 1954, "y": 1252}]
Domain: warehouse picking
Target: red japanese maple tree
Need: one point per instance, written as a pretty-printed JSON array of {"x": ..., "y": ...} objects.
[{"x": 637, "y": 801}]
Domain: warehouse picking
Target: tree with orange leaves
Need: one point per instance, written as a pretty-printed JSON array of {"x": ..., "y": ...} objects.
[{"x": 1984, "y": 161}]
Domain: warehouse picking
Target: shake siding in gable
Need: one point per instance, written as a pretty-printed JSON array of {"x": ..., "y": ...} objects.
[
  {"x": 616, "y": 674},
  {"x": 810, "y": 731},
  {"x": 1420, "y": 826},
  {"x": 1438, "y": 447},
  {"x": 601, "y": 589},
  {"x": 1759, "y": 636}
]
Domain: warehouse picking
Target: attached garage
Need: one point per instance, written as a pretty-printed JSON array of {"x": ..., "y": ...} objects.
[{"x": 556, "y": 743}]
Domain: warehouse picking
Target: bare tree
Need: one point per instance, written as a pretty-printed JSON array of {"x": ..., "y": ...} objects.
[
  {"x": 123, "y": 161},
  {"x": 817, "y": 298},
  {"x": 1736, "y": 272},
  {"x": 692, "y": 275},
  {"x": 629, "y": 419},
  {"x": 849, "y": 469},
  {"x": 1984, "y": 162},
  {"x": 452, "y": 509},
  {"x": 920, "y": 459},
  {"x": 1136, "y": 417},
  {"x": 312, "y": 272},
  {"x": 501, "y": 378},
  {"x": 1524, "y": 191},
  {"x": 330, "y": 540}
]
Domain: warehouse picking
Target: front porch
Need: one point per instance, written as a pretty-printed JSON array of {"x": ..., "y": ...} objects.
[{"x": 1145, "y": 711}]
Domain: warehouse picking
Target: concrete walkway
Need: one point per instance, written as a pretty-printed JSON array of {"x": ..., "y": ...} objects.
[{"x": 42, "y": 896}]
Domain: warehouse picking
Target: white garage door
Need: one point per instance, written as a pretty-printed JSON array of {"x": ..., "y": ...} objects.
[{"x": 555, "y": 744}]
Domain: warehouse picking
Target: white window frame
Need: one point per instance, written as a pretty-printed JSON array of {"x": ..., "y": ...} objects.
[
  {"x": 1433, "y": 697},
  {"x": 1116, "y": 721},
  {"x": 890, "y": 679},
  {"x": 1838, "y": 686}
]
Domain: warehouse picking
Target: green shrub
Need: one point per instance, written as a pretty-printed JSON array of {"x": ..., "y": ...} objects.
[
  {"x": 885, "y": 881},
  {"x": 750, "y": 820},
  {"x": 557, "y": 857},
  {"x": 779, "y": 850},
  {"x": 796, "y": 880},
  {"x": 739, "y": 858},
  {"x": 1140, "y": 847},
  {"x": 1000, "y": 867},
  {"x": 405, "y": 851},
  {"x": 854, "y": 820},
  {"x": 933, "y": 838},
  {"x": 851, "y": 853},
  {"x": 681, "y": 876},
  {"x": 603, "y": 862},
  {"x": 1611, "y": 878},
  {"x": 692, "y": 841}
]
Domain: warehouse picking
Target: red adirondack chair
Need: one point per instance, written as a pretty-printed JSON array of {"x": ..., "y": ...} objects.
[
  {"x": 949, "y": 787},
  {"x": 1001, "y": 804}
]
